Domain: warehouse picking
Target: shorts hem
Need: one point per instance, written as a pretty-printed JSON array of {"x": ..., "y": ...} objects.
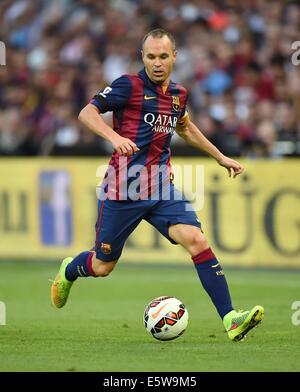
[
  {"x": 107, "y": 258},
  {"x": 177, "y": 222}
]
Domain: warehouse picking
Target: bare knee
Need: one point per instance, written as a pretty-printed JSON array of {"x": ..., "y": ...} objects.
[
  {"x": 199, "y": 241},
  {"x": 102, "y": 268},
  {"x": 196, "y": 243}
]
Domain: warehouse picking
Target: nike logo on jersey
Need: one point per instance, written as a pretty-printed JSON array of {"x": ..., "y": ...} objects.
[{"x": 147, "y": 97}]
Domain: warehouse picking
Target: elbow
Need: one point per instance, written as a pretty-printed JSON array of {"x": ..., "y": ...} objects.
[
  {"x": 182, "y": 132},
  {"x": 86, "y": 113}
]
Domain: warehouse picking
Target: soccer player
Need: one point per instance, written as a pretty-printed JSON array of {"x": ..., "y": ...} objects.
[{"x": 147, "y": 108}]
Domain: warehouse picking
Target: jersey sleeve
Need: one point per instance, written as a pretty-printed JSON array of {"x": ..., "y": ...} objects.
[{"x": 113, "y": 97}]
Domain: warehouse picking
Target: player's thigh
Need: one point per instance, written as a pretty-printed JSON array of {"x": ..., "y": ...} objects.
[{"x": 116, "y": 221}]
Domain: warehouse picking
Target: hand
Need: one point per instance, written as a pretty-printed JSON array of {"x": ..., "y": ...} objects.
[
  {"x": 233, "y": 167},
  {"x": 124, "y": 146}
]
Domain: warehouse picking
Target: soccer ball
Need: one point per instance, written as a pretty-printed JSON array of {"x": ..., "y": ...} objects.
[{"x": 166, "y": 318}]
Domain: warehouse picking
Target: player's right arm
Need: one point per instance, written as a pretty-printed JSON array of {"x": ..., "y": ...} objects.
[
  {"x": 92, "y": 119},
  {"x": 111, "y": 98}
]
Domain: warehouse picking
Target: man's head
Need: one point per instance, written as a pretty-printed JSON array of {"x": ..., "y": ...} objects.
[{"x": 159, "y": 55}]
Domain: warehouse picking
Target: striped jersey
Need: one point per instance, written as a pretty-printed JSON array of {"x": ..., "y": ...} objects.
[{"x": 148, "y": 116}]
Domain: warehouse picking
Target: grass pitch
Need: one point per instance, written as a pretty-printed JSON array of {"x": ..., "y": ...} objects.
[{"x": 101, "y": 329}]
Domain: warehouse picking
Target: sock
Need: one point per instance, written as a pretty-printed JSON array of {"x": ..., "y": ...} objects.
[
  {"x": 213, "y": 280},
  {"x": 80, "y": 266}
]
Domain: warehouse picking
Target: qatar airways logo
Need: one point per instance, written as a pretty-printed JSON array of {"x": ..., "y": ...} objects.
[{"x": 162, "y": 123}]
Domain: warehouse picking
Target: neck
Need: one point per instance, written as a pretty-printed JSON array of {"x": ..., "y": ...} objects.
[{"x": 165, "y": 84}]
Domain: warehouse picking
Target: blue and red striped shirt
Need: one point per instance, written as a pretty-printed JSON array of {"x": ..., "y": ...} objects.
[{"x": 148, "y": 116}]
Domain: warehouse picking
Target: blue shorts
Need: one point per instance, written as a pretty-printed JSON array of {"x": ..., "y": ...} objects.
[{"x": 117, "y": 220}]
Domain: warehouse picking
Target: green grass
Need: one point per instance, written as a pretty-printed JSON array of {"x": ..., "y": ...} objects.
[{"x": 100, "y": 328}]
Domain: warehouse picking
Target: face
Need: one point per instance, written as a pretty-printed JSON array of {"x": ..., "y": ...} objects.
[{"x": 158, "y": 58}]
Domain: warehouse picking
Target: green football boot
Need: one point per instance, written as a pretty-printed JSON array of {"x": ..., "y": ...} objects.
[
  {"x": 238, "y": 324},
  {"x": 60, "y": 288}
]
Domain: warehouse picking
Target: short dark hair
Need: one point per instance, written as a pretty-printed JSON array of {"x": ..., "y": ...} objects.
[{"x": 159, "y": 33}]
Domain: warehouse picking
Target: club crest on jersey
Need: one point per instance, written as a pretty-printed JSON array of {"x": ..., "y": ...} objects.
[
  {"x": 175, "y": 102},
  {"x": 105, "y": 248}
]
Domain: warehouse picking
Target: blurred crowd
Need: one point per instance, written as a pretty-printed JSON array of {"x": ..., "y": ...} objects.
[{"x": 234, "y": 57}]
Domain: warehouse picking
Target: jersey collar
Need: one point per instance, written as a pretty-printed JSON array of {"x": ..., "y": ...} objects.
[{"x": 143, "y": 75}]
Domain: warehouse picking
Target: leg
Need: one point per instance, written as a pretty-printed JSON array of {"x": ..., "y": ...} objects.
[
  {"x": 178, "y": 222},
  {"x": 180, "y": 225},
  {"x": 102, "y": 268},
  {"x": 114, "y": 224},
  {"x": 85, "y": 264},
  {"x": 237, "y": 324},
  {"x": 207, "y": 265}
]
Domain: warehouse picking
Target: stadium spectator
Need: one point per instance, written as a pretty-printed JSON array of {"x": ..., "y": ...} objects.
[{"x": 234, "y": 58}]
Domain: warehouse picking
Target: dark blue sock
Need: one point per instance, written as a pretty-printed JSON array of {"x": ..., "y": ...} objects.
[
  {"x": 80, "y": 266},
  {"x": 213, "y": 281}
]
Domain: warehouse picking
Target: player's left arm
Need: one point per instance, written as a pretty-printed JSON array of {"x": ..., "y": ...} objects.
[{"x": 192, "y": 135}]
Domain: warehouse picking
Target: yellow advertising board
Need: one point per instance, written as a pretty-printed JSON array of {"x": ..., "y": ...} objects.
[{"x": 48, "y": 209}]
